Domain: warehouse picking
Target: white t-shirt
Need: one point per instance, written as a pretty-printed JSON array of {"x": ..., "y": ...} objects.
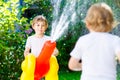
[
  {"x": 97, "y": 52},
  {"x": 36, "y": 44}
]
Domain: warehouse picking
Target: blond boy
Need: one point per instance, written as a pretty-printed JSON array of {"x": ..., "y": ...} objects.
[{"x": 97, "y": 50}]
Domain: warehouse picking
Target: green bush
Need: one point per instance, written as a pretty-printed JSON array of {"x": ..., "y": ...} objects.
[
  {"x": 12, "y": 39},
  {"x": 11, "y": 56}
]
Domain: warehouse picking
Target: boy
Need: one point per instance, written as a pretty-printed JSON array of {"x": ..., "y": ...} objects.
[
  {"x": 98, "y": 49},
  {"x": 35, "y": 42}
]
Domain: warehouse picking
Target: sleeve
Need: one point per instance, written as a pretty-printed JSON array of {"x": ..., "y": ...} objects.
[
  {"x": 28, "y": 43},
  {"x": 77, "y": 52}
]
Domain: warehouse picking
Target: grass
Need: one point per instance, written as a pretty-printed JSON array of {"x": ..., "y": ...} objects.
[
  {"x": 118, "y": 71},
  {"x": 71, "y": 75}
]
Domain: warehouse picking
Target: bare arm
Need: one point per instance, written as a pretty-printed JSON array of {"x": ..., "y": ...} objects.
[
  {"x": 74, "y": 64},
  {"x": 27, "y": 51}
]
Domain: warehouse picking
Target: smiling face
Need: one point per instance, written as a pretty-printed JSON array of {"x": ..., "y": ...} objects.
[
  {"x": 39, "y": 25},
  {"x": 39, "y": 28}
]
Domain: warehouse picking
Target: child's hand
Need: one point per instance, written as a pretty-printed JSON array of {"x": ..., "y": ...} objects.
[
  {"x": 25, "y": 54},
  {"x": 27, "y": 51},
  {"x": 55, "y": 52}
]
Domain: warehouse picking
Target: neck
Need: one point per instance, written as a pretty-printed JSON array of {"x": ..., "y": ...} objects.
[
  {"x": 39, "y": 36},
  {"x": 90, "y": 30}
]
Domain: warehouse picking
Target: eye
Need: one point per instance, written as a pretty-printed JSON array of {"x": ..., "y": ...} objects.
[{"x": 37, "y": 25}]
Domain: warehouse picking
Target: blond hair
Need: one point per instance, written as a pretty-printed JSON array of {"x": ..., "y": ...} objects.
[
  {"x": 40, "y": 18},
  {"x": 100, "y": 17}
]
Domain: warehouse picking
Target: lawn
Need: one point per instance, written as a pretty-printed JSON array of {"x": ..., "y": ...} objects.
[
  {"x": 118, "y": 71},
  {"x": 70, "y": 75}
]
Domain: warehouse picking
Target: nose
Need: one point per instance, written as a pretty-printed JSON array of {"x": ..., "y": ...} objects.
[{"x": 40, "y": 27}]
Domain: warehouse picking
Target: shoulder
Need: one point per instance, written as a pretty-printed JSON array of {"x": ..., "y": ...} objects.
[
  {"x": 114, "y": 37},
  {"x": 117, "y": 37},
  {"x": 31, "y": 37},
  {"x": 84, "y": 37}
]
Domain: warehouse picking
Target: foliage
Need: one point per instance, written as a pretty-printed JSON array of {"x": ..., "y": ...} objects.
[
  {"x": 14, "y": 30},
  {"x": 38, "y": 7},
  {"x": 11, "y": 56},
  {"x": 12, "y": 39},
  {"x": 69, "y": 75}
]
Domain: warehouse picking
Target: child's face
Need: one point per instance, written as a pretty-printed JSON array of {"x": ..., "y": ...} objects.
[{"x": 39, "y": 28}]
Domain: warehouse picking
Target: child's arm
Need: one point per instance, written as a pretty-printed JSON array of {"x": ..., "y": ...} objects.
[
  {"x": 26, "y": 51},
  {"x": 74, "y": 64}
]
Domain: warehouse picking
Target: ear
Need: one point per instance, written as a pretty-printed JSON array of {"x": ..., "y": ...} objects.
[{"x": 87, "y": 24}]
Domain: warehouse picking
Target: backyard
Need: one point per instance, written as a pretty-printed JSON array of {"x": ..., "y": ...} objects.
[
  {"x": 70, "y": 75},
  {"x": 65, "y": 24}
]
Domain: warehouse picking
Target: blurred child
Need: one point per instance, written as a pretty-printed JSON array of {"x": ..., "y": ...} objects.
[
  {"x": 35, "y": 42},
  {"x": 98, "y": 49}
]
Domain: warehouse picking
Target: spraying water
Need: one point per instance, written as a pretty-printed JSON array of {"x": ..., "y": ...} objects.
[
  {"x": 61, "y": 23},
  {"x": 73, "y": 11}
]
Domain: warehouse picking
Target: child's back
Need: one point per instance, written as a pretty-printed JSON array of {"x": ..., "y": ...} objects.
[{"x": 98, "y": 49}]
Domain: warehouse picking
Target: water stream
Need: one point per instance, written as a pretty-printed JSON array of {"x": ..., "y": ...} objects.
[{"x": 61, "y": 21}]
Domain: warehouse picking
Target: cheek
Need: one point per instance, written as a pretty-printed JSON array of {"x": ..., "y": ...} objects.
[
  {"x": 35, "y": 29},
  {"x": 44, "y": 29}
]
